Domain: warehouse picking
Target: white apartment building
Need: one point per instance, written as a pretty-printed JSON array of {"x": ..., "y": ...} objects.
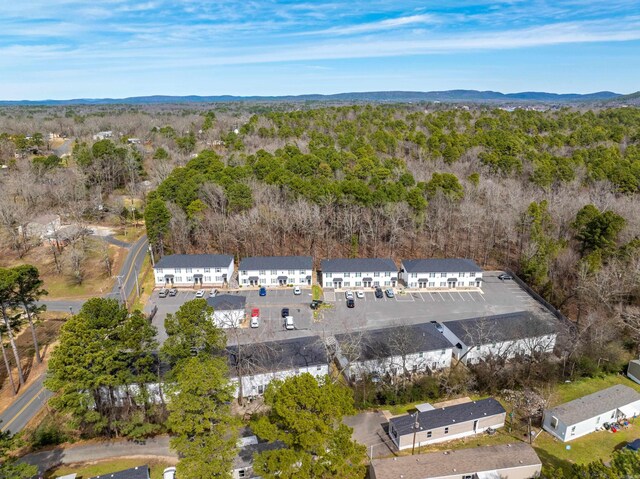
[
  {"x": 193, "y": 270},
  {"x": 455, "y": 273},
  {"x": 359, "y": 273},
  {"x": 276, "y": 271}
]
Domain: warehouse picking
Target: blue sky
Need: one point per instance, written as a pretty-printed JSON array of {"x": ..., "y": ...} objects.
[{"x": 116, "y": 48}]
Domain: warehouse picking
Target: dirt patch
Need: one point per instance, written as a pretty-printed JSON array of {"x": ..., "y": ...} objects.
[{"x": 47, "y": 332}]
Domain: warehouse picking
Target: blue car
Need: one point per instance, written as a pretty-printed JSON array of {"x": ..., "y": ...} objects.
[{"x": 263, "y": 291}]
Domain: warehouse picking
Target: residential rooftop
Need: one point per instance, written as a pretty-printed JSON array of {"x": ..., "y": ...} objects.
[
  {"x": 227, "y": 302},
  {"x": 594, "y": 404},
  {"x": 355, "y": 265},
  {"x": 139, "y": 472},
  {"x": 502, "y": 327},
  {"x": 440, "y": 265},
  {"x": 273, "y": 356},
  {"x": 257, "y": 263},
  {"x": 395, "y": 341},
  {"x": 194, "y": 261},
  {"x": 447, "y": 416},
  {"x": 457, "y": 463}
]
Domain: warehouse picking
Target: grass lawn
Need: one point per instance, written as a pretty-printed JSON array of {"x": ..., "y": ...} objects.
[
  {"x": 146, "y": 280},
  {"x": 85, "y": 471},
  {"x": 316, "y": 292},
  {"x": 570, "y": 391}
]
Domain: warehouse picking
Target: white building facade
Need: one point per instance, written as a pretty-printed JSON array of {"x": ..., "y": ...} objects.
[
  {"x": 228, "y": 310},
  {"x": 456, "y": 273},
  {"x": 193, "y": 270},
  {"x": 346, "y": 273},
  {"x": 276, "y": 271}
]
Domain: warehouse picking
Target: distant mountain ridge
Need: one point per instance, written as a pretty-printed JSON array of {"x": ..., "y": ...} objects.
[{"x": 376, "y": 96}]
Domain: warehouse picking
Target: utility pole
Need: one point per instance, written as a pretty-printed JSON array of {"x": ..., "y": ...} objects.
[
  {"x": 153, "y": 262},
  {"x": 416, "y": 426},
  {"x": 135, "y": 271}
]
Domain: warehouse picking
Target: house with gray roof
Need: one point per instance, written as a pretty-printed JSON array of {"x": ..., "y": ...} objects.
[
  {"x": 502, "y": 336},
  {"x": 633, "y": 370},
  {"x": 138, "y": 472},
  {"x": 276, "y": 271},
  {"x": 505, "y": 461},
  {"x": 228, "y": 309},
  {"x": 248, "y": 446},
  {"x": 441, "y": 273},
  {"x": 253, "y": 366},
  {"x": 445, "y": 423},
  {"x": 588, "y": 414},
  {"x": 402, "y": 350},
  {"x": 358, "y": 273},
  {"x": 193, "y": 270}
]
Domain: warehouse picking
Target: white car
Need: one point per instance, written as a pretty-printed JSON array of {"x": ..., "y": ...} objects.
[
  {"x": 297, "y": 290},
  {"x": 288, "y": 323},
  {"x": 213, "y": 293},
  {"x": 348, "y": 294},
  {"x": 200, "y": 293},
  {"x": 169, "y": 473},
  {"x": 359, "y": 294}
]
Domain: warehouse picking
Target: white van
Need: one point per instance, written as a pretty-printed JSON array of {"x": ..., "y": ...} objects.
[{"x": 288, "y": 323}]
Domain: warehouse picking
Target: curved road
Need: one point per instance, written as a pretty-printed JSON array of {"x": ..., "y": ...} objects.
[
  {"x": 45, "y": 460},
  {"x": 33, "y": 398}
]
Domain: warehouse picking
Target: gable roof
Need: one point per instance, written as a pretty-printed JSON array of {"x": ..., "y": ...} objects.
[
  {"x": 456, "y": 463},
  {"x": 501, "y": 327},
  {"x": 254, "y": 263},
  {"x": 272, "y": 356},
  {"x": 139, "y": 472},
  {"x": 397, "y": 341},
  {"x": 446, "y": 416},
  {"x": 195, "y": 261},
  {"x": 594, "y": 404},
  {"x": 227, "y": 302},
  {"x": 355, "y": 265},
  {"x": 440, "y": 265}
]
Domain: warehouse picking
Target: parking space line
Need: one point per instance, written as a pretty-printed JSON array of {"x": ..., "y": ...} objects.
[
  {"x": 432, "y": 297},
  {"x": 440, "y": 294},
  {"x": 452, "y": 298},
  {"x": 471, "y": 296},
  {"x": 483, "y": 298},
  {"x": 421, "y": 297},
  {"x": 461, "y": 297}
]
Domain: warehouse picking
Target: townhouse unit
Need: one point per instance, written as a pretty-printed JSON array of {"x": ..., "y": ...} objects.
[
  {"x": 229, "y": 310},
  {"x": 403, "y": 350},
  {"x": 502, "y": 336},
  {"x": 432, "y": 425},
  {"x": 276, "y": 271},
  {"x": 505, "y": 461},
  {"x": 193, "y": 270},
  {"x": 588, "y": 414},
  {"x": 253, "y": 366},
  {"x": 437, "y": 273},
  {"x": 359, "y": 273}
]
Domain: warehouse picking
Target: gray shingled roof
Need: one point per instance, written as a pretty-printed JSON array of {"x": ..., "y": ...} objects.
[
  {"x": 355, "y": 265},
  {"x": 139, "y": 472},
  {"x": 446, "y": 416},
  {"x": 462, "y": 461},
  {"x": 275, "y": 356},
  {"x": 440, "y": 265},
  {"x": 227, "y": 302},
  {"x": 593, "y": 405},
  {"x": 195, "y": 261},
  {"x": 388, "y": 342},
  {"x": 502, "y": 327},
  {"x": 276, "y": 262},
  {"x": 244, "y": 459}
]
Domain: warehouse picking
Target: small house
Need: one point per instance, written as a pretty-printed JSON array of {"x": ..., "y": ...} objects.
[
  {"x": 633, "y": 370},
  {"x": 359, "y": 273},
  {"x": 437, "y": 273},
  {"x": 228, "y": 310},
  {"x": 587, "y": 414},
  {"x": 446, "y": 423},
  {"x": 506, "y": 461},
  {"x": 139, "y": 472},
  {"x": 276, "y": 271},
  {"x": 193, "y": 270}
]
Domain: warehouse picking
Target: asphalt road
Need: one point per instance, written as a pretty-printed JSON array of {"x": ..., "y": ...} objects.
[
  {"x": 27, "y": 405},
  {"x": 32, "y": 399},
  {"x": 45, "y": 460}
]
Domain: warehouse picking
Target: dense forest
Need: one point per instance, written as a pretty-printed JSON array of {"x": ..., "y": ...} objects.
[{"x": 552, "y": 195}]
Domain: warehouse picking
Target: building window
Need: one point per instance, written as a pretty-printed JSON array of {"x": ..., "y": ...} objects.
[
  {"x": 387, "y": 274},
  {"x": 244, "y": 272},
  {"x": 446, "y": 430},
  {"x": 387, "y": 283},
  {"x": 159, "y": 270},
  {"x": 178, "y": 279},
  {"x": 218, "y": 270},
  {"x": 414, "y": 275},
  {"x": 358, "y": 283},
  {"x": 327, "y": 275},
  {"x": 554, "y": 422},
  {"x": 443, "y": 284},
  {"x": 207, "y": 270},
  {"x": 189, "y": 270},
  {"x": 261, "y": 389},
  {"x": 189, "y": 279},
  {"x": 274, "y": 280},
  {"x": 319, "y": 368},
  {"x": 218, "y": 279},
  {"x": 302, "y": 271},
  {"x": 346, "y": 275},
  {"x": 347, "y": 284},
  {"x": 207, "y": 279},
  {"x": 358, "y": 275},
  {"x": 432, "y": 275},
  {"x": 573, "y": 431},
  {"x": 432, "y": 284},
  {"x": 245, "y": 281},
  {"x": 428, "y": 434},
  {"x": 291, "y": 272},
  {"x": 262, "y": 272},
  {"x": 376, "y": 274},
  {"x": 444, "y": 351},
  {"x": 178, "y": 270},
  {"x": 467, "y": 476},
  {"x": 241, "y": 473}
]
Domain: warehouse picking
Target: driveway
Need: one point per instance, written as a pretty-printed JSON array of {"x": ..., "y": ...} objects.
[
  {"x": 369, "y": 429},
  {"x": 45, "y": 460}
]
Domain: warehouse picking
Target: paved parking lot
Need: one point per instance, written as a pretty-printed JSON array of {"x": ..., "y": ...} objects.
[{"x": 496, "y": 297}]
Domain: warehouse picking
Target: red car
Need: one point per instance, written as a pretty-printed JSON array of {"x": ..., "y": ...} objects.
[{"x": 255, "y": 313}]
